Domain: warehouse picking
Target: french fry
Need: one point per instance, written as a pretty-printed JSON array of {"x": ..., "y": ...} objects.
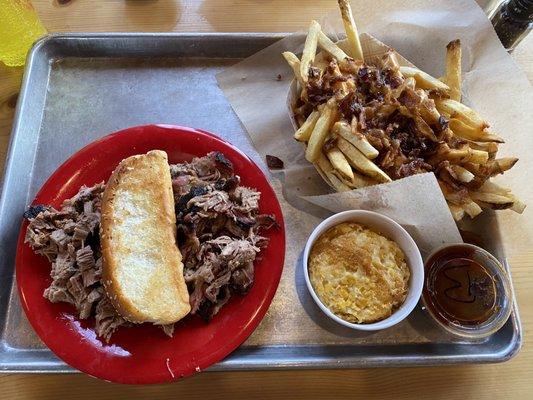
[
  {"x": 330, "y": 47},
  {"x": 338, "y": 183},
  {"x": 359, "y": 181},
  {"x": 294, "y": 63},
  {"x": 309, "y": 51},
  {"x": 424, "y": 80},
  {"x": 304, "y": 132},
  {"x": 489, "y": 147},
  {"x": 463, "y": 174},
  {"x": 518, "y": 206},
  {"x": 428, "y": 111},
  {"x": 458, "y": 204},
  {"x": 472, "y": 208},
  {"x": 477, "y": 156},
  {"x": 319, "y": 133},
  {"x": 410, "y": 82},
  {"x": 491, "y": 187},
  {"x": 325, "y": 169},
  {"x": 457, "y": 211},
  {"x": 489, "y": 168},
  {"x": 321, "y": 61},
  {"x": 501, "y": 165},
  {"x": 450, "y": 196},
  {"x": 453, "y": 69},
  {"x": 463, "y": 155},
  {"x": 360, "y": 162},
  {"x": 339, "y": 162},
  {"x": 390, "y": 60},
  {"x": 344, "y": 130},
  {"x": 424, "y": 128},
  {"x": 492, "y": 198},
  {"x": 492, "y": 206},
  {"x": 455, "y": 109},
  {"x": 356, "y": 51},
  {"x": 465, "y": 131}
]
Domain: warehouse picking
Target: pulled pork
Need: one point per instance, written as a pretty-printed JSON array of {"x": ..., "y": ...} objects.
[
  {"x": 69, "y": 239},
  {"x": 218, "y": 231},
  {"x": 218, "y": 224}
]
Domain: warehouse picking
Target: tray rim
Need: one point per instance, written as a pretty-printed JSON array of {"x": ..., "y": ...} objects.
[{"x": 235, "y": 361}]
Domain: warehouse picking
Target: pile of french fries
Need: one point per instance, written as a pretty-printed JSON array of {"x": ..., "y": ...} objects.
[{"x": 341, "y": 149}]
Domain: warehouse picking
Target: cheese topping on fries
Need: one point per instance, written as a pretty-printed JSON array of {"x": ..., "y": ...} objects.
[{"x": 371, "y": 122}]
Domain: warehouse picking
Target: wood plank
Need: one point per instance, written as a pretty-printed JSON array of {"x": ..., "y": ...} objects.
[{"x": 173, "y": 15}]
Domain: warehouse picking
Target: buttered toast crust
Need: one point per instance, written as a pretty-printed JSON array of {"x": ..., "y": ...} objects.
[{"x": 142, "y": 265}]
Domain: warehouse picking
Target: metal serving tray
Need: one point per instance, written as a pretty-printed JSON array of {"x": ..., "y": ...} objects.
[{"x": 79, "y": 87}]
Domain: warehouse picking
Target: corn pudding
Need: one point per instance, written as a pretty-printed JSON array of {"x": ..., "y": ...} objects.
[{"x": 360, "y": 275}]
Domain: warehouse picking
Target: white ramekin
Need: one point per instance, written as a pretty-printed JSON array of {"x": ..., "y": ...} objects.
[{"x": 391, "y": 230}]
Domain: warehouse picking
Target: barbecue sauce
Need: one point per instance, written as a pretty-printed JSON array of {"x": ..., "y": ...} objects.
[{"x": 458, "y": 289}]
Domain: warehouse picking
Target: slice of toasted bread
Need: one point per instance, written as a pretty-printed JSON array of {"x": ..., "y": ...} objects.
[{"x": 142, "y": 268}]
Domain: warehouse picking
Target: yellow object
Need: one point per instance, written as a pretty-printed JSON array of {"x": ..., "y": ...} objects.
[
  {"x": 360, "y": 275},
  {"x": 20, "y": 27}
]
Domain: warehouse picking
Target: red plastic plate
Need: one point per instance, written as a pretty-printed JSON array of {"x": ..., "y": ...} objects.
[{"x": 144, "y": 354}]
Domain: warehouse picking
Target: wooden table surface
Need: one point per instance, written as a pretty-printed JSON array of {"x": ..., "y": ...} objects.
[{"x": 511, "y": 380}]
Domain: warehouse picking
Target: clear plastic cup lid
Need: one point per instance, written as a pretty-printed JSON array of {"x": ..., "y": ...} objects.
[{"x": 466, "y": 290}]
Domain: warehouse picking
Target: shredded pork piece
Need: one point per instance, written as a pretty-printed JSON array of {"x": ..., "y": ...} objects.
[
  {"x": 69, "y": 238},
  {"x": 218, "y": 225}
]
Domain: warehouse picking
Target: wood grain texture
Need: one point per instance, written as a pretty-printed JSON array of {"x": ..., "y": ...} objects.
[
  {"x": 176, "y": 15},
  {"x": 510, "y": 380}
]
